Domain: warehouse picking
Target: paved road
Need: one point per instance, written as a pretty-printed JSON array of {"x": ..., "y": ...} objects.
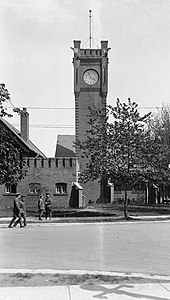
[{"x": 125, "y": 247}]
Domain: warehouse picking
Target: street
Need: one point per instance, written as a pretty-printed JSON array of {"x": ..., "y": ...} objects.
[{"x": 123, "y": 247}]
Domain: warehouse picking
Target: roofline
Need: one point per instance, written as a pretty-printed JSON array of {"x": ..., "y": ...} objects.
[{"x": 17, "y": 134}]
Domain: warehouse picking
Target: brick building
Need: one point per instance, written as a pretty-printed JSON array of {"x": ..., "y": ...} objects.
[
  {"x": 90, "y": 89},
  {"x": 59, "y": 175},
  {"x": 56, "y": 175},
  {"x": 53, "y": 175}
]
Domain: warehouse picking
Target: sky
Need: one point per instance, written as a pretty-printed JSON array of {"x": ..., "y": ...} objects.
[{"x": 36, "y": 58}]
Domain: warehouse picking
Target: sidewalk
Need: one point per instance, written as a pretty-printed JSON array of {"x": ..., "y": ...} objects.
[{"x": 88, "y": 292}]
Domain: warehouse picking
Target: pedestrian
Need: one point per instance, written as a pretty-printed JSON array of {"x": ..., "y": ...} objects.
[
  {"x": 41, "y": 207},
  {"x": 22, "y": 212},
  {"x": 48, "y": 206},
  {"x": 16, "y": 211}
]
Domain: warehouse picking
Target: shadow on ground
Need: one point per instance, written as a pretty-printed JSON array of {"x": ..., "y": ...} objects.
[{"x": 104, "y": 292}]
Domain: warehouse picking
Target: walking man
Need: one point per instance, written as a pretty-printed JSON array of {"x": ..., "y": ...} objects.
[
  {"x": 16, "y": 211},
  {"x": 22, "y": 212},
  {"x": 48, "y": 206}
]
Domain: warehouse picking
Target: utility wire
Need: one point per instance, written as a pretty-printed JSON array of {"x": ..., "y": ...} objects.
[
  {"x": 11, "y": 103},
  {"x": 34, "y": 107},
  {"x": 71, "y": 108},
  {"x": 47, "y": 126}
]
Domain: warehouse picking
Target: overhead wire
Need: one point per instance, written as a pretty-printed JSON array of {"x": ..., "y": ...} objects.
[
  {"x": 11, "y": 103},
  {"x": 47, "y": 126},
  {"x": 71, "y": 108},
  {"x": 36, "y": 107}
]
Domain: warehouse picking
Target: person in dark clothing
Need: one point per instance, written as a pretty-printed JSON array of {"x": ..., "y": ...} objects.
[
  {"x": 41, "y": 207},
  {"x": 48, "y": 206},
  {"x": 16, "y": 211},
  {"x": 22, "y": 212}
]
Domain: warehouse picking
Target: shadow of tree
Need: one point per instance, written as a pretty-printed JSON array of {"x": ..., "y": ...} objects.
[{"x": 118, "y": 291}]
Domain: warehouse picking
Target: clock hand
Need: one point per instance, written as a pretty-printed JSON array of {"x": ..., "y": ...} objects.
[{"x": 89, "y": 75}]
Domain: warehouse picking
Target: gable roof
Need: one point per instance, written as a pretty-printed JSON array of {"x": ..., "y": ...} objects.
[
  {"x": 31, "y": 148},
  {"x": 65, "y": 146}
]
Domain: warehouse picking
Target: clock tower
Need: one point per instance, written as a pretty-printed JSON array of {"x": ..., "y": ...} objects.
[{"x": 90, "y": 88}]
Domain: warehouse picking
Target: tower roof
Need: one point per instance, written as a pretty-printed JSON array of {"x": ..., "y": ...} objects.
[{"x": 65, "y": 146}]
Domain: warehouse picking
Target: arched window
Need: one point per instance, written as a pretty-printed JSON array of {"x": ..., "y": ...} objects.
[
  {"x": 61, "y": 188},
  {"x": 10, "y": 188},
  {"x": 34, "y": 188}
]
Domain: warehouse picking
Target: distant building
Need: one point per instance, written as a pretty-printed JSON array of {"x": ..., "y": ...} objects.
[{"x": 65, "y": 146}]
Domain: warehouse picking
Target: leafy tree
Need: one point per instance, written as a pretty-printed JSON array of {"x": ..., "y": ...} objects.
[
  {"x": 160, "y": 125},
  {"x": 94, "y": 148},
  {"x": 120, "y": 147},
  {"x": 11, "y": 154},
  {"x": 160, "y": 128},
  {"x": 4, "y": 97}
]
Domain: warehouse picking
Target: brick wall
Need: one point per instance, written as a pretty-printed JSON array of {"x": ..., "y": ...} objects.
[
  {"x": 44, "y": 172},
  {"x": 88, "y": 95}
]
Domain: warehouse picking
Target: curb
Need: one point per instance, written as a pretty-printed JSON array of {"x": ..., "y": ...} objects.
[{"x": 73, "y": 223}]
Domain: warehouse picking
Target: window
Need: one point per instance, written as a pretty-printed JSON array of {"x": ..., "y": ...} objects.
[
  {"x": 35, "y": 162},
  {"x": 61, "y": 188},
  {"x": 76, "y": 75},
  {"x": 28, "y": 162},
  {"x": 34, "y": 188},
  {"x": 10, "y": 188},
  {"x": 136, "y": 188},
  {"x": 42, "y": 163},
  {"x": 117, "y": 188},
  {"x": 71, "y": 162},
  {"x": 56, "y": 163}
]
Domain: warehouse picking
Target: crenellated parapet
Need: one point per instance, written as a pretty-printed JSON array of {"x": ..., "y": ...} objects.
[
  {"x": 85, "y": 59},
  {"x": 51, "y": 163},
  {"x": 90, "y": 90},
  {"x": 90, "y": 53}
]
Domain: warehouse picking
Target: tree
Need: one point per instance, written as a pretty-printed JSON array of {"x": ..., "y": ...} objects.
[
  {"x": 4, "y": 97},
  {"x": 11, "y": 154},
  {"x": 160, "y": 128},
  {"x": 94, "y": 148},
  {"x": 120, "y": 147},
  {"x": 160, "y": 125}
]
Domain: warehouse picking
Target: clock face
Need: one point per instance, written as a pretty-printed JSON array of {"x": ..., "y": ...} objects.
[{"x": 90, "y": 77}]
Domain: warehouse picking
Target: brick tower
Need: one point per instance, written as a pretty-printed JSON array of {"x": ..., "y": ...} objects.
[{"x": 90, "y": 87}]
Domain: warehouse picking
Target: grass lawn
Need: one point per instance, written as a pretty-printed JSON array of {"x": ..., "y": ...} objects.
[
  {"x": 98, "y": 211},
  {"x": 27, "y": 279}
]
